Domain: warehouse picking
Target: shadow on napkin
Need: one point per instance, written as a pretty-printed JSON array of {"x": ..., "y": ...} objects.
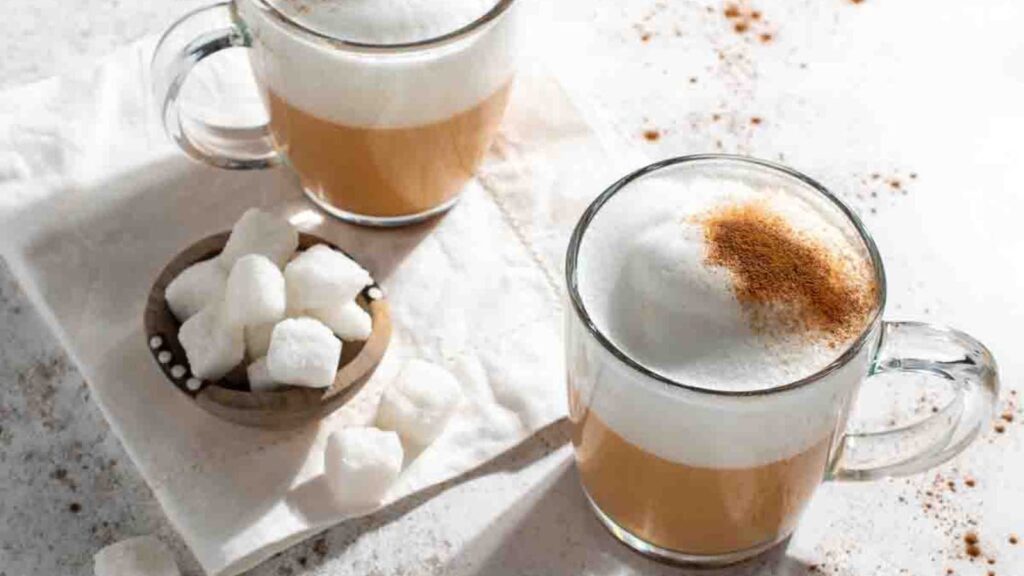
[{"x": 310, "y": 499}]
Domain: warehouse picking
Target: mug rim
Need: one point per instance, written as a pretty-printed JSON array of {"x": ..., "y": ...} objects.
[
  {"x": 268, "y": 9},
  {"x": 572, "y": 256}
]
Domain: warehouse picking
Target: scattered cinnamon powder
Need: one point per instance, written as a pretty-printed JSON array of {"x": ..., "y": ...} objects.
[
  {"x": 1008, "y": 416},
  {"x": 1000, "y": 428},
  {"x": 971, "y": 540},
  {"x": 969, "y": 482},
  {"x": 744, "y": 19},
  {"x": 1013, "y": 538},
  {"x": 755, "y": 120},
  {"x": 775, "y": 268},
  {"x": 651, "y": 135}
]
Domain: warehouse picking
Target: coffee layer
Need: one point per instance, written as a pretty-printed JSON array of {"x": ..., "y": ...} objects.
[
  {"x": 385, "y": 172},
  {"x": 381, "y": 90},
  {"x": 692, "y": 509}
]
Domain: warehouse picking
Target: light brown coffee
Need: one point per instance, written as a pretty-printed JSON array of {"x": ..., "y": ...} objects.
[
  {"x": 385, "y": 172},
  {"x": 693, "y": 510}
]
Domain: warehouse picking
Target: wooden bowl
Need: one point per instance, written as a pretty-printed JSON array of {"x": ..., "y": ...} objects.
[{"x": 230, "y": 398}]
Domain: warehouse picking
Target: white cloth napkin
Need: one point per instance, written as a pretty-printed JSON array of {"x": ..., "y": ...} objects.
[{"x": 94, "y": 200}]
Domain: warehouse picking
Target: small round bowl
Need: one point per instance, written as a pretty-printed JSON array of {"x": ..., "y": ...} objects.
[{"x": 230, "y": 398}]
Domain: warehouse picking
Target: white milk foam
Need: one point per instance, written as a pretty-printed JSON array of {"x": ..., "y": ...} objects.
[
  {"x": 643, "y": 280},
  {"x": 381, "y": 90}
]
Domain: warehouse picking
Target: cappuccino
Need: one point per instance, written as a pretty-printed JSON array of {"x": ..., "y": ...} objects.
[
  {"x": 723, "y": 286},
  {"x": 377, "y": 134}
]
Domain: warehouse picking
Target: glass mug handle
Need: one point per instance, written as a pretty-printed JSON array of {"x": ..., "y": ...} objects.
[
  {"x": 959, "y": 359},
  {"x": 197, "y": 35}
]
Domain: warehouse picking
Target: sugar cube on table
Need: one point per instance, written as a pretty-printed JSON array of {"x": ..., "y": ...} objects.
[
  {"x": 255, "y": 292},
  {"x": 419, "y": 402},
  {"x": 257, "y": 339},
  {"x": 303, "y": 352},
  {"x": 322, "y": 276},
  {"x": 347, "y": 320},
  {"x": 259, "y": 377},
  {"x": 194, "y": 288},
  {"x": 140, "y": 556},
  {"x": 258, "y": 232},
  {"x": 361, "y": 464},
  {"x": 213, "y": 346}
]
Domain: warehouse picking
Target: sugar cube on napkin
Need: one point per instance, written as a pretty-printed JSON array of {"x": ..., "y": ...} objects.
[
  {"x": 419, "y": 402},
  {"x": 361, "y": 464}
]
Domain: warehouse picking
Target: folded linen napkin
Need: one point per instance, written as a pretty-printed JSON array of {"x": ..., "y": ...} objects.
[{"x": 94, "y": 200}]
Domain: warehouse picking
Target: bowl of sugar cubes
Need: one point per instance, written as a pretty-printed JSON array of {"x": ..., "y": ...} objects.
[{"x": 265, "y": 326}]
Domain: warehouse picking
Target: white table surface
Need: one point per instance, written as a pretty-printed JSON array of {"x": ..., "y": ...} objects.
[{"x": 925, "y": 95}]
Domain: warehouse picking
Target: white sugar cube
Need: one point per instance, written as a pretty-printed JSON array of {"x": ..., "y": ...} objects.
[
  {"x": 258, "y": 232},
  {"x": 259, "y": 376},
  {"x": 194, "y": 288},
  {"x": 303, "y": 352},
  {"x": 361, "y": 464},
  {"x": 321, "y": 276},
  {"x": 140, "y": 556},
  {"x": 257, "y": 339},
  {"x": 419, "y": 402},
  {"x": 212, "y": 344},
  {"x": 347, "y": 320},
  {"x": 255, "y": 292}
]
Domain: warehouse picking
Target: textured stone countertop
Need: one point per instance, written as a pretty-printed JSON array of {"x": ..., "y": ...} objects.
[{"x": 678, "y": 77}]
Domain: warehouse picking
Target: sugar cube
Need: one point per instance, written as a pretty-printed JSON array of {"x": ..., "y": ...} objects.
[
  {"x": 139, "y": 556},
  {"x": 419, "y": 402},
  {"x": 322, "y": 276},
  {"x": 194, "y": 288},
  {"x": 361, "y": 464},
  {"x": 213, "y": 346},
  {"x": 259, "y": 376},
  {"x": 258, "y": 232},
  {"x": 255, "y": 292},
  {"x": 347, "y": 320},
  {"x": 303, "y": 352},
  {"x": 257, "y": 339}
]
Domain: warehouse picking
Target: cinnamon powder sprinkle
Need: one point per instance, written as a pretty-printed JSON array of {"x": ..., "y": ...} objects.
[
  {"x": 651, "y": 135},
  {"x": 777, "y": 269}
]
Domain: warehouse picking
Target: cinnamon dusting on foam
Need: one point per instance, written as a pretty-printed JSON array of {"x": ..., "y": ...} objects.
[{"x": 785, "y": 280}]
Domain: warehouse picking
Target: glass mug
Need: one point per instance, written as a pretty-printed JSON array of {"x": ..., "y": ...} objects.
[
  {"x": 378, "y": 134},
  {"x": 690, "y": 474}
]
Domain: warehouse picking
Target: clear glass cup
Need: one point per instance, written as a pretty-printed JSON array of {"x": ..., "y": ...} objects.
[
  {"x": 691, "y": 474},
  {"x": 378, "y": 134}
]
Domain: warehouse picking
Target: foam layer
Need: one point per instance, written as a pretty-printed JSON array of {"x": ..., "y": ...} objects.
[
  {"x": 384, "y": 21},
  {"x": 385, "y": 90},
  {"x": 644, "y": 280}
]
